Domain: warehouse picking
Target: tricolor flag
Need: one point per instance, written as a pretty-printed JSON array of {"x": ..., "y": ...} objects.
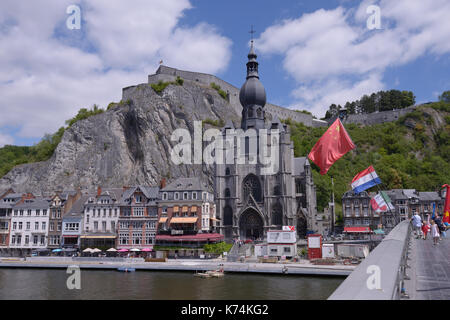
[
  {"x": 365, "y": 180},
  {"x": 381, "y": 202}
]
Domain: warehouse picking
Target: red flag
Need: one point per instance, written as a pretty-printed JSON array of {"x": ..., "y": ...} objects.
[
  {"x": 447, "y": 204},
  {"x": 331, "y": 147}
]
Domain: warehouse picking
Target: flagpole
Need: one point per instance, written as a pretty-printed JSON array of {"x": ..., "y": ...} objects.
[
  {"x": 332, "y": 210},
  {"x": 389, "y": 208}
]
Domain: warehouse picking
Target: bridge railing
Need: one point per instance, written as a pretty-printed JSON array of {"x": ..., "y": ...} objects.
[{"x": 381, "y": 275}]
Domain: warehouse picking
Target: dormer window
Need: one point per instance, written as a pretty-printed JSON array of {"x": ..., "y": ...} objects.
[
  {"x": 176, "y": 196},
  {"x": 164, "y": 196},
  {"x": 138, "y": 199},
  {"x": 185, "y": 196},
  {"x": 194, "y": 195}
]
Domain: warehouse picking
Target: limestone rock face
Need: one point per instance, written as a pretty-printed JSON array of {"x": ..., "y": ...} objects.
[{"x": 128, "y": 144}]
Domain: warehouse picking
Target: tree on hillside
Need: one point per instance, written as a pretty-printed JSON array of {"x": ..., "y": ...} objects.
[{"x": 445, "y": 96}]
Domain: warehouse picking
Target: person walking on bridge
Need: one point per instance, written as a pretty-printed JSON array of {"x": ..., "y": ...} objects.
[
  {"x": 417, "y": 224},
  {"x": 434, "y": 232}
]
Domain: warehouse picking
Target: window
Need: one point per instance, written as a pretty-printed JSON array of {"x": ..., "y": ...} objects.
[
  {"x": 42, "y": 240},
  {"x": 95, "y": 226},
  {"x": 176, "y": 196},
  {"x": 185, "y": 196},
  {"x": 164, "y": 197},
  {"x": 44, "y": 212},
  {"x": 29, "y": 212},
  {"x": 19, "y": 239},
  {"x": 104, "y": 212},
  {"x": 35, "y": 240},
  {"x": 27, "y": 239},
  {"x": 16, "y": 212},
  {"x": 115, "y": 212},
  {"x": 227, "y": 171},
  {"x": 59, "y": 226},
  {"x": 87, "y": 218},
  {"x": 104, "y": 226},
  {"x": 164, "y": 210},
  {"x": 38, "y": 212},
  {"x": 44, "y": 225},
  {"x": 28, "y": 225},
  {"x": 139, "y": 212},
  {"x": 110, "y": 212},
  {"x": 20, "y": 225},
  {"x": 13, "y": 239},
  {"x": 138, "y": 199},
  {"x": 287, "y": 250},
  {"x": 58, "y": 213},
  {"x": 123, "y": 238},
  {"x": 36, "y": 225},
  {"x": 137, "y": 238},
  {"x": 194, "y": 195},
  {"x": 21, "y": 212},
  {"x": 113, "y": 226},
  {"x": 14, "y": 225},
  {"x": 52, "y": 226}
]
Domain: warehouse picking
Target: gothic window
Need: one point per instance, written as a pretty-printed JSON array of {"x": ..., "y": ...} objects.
[
  {"x": 227, "y": 216},
  {"x": 277, "y": 214},
  {"x": 251, "y": 186},
  {"x": 227, "y": 193},
  {"x": 227, "y": 171}
]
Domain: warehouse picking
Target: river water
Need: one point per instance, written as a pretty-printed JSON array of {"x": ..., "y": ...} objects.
[{"x": 101, "y": 284}]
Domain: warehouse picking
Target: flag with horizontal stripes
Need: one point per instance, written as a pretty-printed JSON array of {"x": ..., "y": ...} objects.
[{"x": 365, "y": 180}]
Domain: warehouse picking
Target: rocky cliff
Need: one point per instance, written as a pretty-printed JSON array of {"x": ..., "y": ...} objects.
[{"x": 128, "y": 144}]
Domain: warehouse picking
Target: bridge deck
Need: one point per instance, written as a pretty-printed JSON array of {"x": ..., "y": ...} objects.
[{"x": 430, "y": 270}]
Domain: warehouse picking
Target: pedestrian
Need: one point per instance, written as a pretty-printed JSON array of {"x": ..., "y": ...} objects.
[
  {"x": 417, "y": 224},
  {"x": 434, "y": 232},
  {"x": 440, "y": 225},
  {"x": 425, "y": 230}
]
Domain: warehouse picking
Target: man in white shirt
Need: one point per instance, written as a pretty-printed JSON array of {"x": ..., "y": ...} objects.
[{"x": 417, "y": 224}]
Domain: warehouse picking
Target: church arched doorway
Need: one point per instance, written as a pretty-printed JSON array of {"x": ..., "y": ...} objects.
[{"x": 251, "y": 225}]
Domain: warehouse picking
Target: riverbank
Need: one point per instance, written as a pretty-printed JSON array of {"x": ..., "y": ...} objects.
[{"x": 301, "y": 268}]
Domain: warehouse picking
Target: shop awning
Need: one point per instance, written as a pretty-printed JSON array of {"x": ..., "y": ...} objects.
[
  {"x": 214, "y": 219},
  {"x": 162, "y": 220},
  {"x": 184, "y": 220},
  {"x": 357, "y": 230}
]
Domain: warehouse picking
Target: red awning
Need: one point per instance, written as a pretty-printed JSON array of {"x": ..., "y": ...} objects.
[
  {"x": 196, "y": 237},
  {"x": 357, "y": 230},
  {"x": 70, "y": 236}
]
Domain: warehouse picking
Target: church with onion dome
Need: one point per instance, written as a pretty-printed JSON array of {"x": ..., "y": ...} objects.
[{"x": 249, "y": 201}]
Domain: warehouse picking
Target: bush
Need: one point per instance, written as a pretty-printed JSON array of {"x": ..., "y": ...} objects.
[
  {"x": 216, "y": 123},
  {"x": 217, "y": 248},
  {"x": 160, "y": 86},
  {"x": 219, "y": 90}
]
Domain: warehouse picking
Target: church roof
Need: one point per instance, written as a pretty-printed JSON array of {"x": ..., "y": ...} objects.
[{"x": 298, "y": 167}]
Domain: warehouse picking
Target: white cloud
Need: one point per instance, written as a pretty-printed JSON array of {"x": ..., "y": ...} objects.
[
  {"x": 48, "y": 72},
  {"x": 5, "y": 139},
  {"x": 324, "y": 49}
]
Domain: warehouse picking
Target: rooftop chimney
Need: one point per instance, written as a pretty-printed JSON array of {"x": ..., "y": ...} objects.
[
  {"x": 99, "y": 191},
  {"x": 162, "y": 184}
]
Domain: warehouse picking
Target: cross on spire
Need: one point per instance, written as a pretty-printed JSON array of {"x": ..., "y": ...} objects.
[{"x": 252, "y": 32}]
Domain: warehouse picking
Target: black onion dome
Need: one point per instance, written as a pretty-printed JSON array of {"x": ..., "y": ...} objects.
[{"x": 252, "y": 93}]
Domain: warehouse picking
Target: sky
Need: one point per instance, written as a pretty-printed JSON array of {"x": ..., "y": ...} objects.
[{"x": 311, "y": 53}]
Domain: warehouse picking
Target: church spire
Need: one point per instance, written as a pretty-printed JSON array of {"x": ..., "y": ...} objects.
[{"x": 252, "y": 94}]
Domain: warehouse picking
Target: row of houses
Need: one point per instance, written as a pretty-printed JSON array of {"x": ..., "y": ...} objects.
[
  {"x": 182, "y": 213},
  {"x": 360, "y": 219}
]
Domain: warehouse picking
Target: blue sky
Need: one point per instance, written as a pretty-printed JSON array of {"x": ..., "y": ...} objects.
[{"x": 311, "y": 53}]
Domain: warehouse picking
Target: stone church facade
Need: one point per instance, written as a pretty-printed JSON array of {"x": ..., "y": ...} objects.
[{"x": 250, "y": 202}]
